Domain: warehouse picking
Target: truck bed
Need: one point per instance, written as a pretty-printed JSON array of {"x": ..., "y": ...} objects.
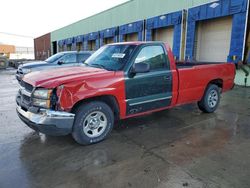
[{"x": 195, "y": 76}]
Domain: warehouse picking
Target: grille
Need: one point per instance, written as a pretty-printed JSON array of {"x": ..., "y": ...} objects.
[
  {"x": 27, "y": 86},
  {"x": 26, "y": 99}
]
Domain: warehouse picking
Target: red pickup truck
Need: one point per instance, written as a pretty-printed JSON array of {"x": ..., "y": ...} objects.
[{"x": 118, "y": 81}]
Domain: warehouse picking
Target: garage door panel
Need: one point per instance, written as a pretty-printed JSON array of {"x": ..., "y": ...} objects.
[
  {"x": 213, "y": 40},
  {"x": 164, "y": 34},
  {"x": 91, "y": 45},
  {"x": 109, "y": 40},
  {"x": 131, "y": 37},
  {"x": 79, "y": 46}
]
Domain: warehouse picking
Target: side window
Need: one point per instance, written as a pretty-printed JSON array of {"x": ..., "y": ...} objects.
[
  {"x": 68, "y": 58},
  {"x": 82, "y": 57},
  {"x": 153, "y": 55}
]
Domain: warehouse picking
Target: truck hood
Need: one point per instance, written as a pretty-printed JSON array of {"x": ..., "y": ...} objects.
[
  {"x": 55, "y": 77},
  {"x": 34, "y": 64}
]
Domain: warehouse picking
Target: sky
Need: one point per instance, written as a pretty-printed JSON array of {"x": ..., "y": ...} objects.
[{"x": 33, "y": 18}]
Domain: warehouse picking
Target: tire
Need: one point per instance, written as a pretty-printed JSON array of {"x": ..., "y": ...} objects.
[
  {"x": 93, "y": 123},
  {"x": 210, "y": 100},
  {"x": 3, "y": 62}
]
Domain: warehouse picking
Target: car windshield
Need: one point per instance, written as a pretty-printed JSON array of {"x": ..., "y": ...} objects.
[
  {"x": 111, "y": 57},
  {"x": 54, "y": 58}
]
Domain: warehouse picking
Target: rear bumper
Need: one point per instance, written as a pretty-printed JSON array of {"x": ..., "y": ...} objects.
[{"x": 49, "y": 122}]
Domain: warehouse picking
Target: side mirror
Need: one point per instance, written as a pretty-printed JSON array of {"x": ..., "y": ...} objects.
[
  {"x": 60, "y": 62},
  {"x": 141, "y": 67}
]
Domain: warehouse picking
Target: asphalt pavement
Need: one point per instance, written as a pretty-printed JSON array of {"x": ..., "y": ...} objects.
[{"x": 180, "y": 147}]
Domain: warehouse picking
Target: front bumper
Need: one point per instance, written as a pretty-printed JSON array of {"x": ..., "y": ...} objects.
[{"x": 49, "y": 122}]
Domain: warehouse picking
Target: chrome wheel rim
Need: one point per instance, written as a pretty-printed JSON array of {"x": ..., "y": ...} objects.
[
  {"x": 213, "y": 98},
  {"x": 95, "y": 124}
]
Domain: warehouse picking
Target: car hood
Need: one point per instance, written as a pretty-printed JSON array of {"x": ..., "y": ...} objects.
[
  {"x": 34, "y": 64},
  {"x": 59, "y": 76}
]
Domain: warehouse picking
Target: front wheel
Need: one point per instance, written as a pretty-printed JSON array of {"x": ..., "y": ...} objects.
[
  {"x": 93, "y": 122},
  {"x": 210, "y": 100}
]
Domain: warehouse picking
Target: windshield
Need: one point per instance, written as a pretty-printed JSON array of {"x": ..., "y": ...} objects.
[
  {"x": 54, "y": 58},
  {"x": 112, "y": 57}
]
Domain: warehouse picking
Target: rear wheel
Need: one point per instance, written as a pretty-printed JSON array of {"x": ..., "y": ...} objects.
[
  {"x": 93, "y": 122},
  {"x": 210, "y": 100}
]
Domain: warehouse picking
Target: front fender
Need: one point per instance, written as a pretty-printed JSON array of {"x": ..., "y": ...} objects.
[{"x": 72, "y": 93}]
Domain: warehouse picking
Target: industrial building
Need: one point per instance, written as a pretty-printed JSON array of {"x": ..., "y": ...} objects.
[
  {"x": 201, "y": 30},
  {"x": 42, "y": 47}
]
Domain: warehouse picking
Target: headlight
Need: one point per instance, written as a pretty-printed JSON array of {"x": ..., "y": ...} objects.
[
  {"x": 42, "y": 93},
  {"x": 41, "y": 98},
  {"x": 41, "y": 103},
  {"x": 26, "y": 71}
]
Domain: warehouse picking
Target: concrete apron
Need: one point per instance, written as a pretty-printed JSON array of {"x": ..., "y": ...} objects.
[{"x": 241, "y": 78}]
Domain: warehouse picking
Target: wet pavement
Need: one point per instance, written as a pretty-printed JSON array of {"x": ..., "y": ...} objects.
[{"x": 180, "y": 147}]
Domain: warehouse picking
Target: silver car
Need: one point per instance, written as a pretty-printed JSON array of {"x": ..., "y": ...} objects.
[{"x": 61, "y": 59}]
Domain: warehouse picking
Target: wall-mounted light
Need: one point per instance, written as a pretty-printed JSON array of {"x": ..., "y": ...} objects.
[
  {"x": 214, "y": 5},
  {"x": 107, "y": 30},
  {"x": 130, "y": 25},
  {"x": 163, "y": 17}
]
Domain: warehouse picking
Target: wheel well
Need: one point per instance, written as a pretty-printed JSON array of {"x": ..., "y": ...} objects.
[
  {"x": 108, "y": 99},
  {"x": 218, "y": 82}
]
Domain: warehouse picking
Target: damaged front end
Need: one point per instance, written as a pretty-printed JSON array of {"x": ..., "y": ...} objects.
[{"x": 39, "y": 109}]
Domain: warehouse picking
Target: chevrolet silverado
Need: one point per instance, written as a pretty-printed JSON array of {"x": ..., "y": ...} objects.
[{"x": 118, "y": 81}]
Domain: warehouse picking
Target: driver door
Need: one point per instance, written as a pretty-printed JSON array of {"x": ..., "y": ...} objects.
[{"x": 153, "y": 89}]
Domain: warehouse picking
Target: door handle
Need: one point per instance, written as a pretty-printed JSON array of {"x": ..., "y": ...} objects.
[{"x": 167, "y": 77}]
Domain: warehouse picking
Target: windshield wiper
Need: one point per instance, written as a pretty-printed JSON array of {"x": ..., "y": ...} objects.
[{"x": 85, "y": 63}]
